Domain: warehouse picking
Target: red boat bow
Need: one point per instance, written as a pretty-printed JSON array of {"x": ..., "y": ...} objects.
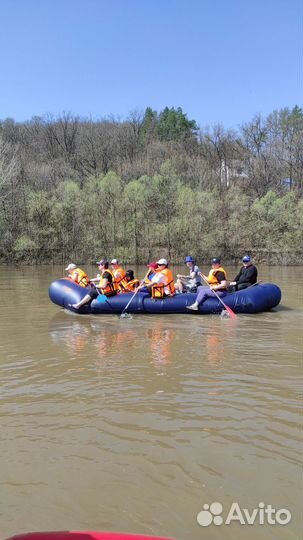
[{"x": 84, "y": 535}]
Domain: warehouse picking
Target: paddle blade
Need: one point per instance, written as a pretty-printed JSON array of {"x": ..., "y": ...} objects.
[
  {"x": 230, "y": 312},
  {"x": 126, "y": 316}
]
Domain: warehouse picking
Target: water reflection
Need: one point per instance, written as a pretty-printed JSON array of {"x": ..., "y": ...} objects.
[
  {"x": 109, "y": 338},
  {"x": 160, "y": 339},
  {"x": 157, "y": 339},
  {"x": 72, "y": 333},
  {"x": 214, "y": 349}
]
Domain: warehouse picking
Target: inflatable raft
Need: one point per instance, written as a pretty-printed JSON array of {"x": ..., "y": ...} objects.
[{"x": 255, "y": 299}]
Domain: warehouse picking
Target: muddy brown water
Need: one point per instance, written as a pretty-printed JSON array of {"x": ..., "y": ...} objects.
[{"x": 135, "y": 424}]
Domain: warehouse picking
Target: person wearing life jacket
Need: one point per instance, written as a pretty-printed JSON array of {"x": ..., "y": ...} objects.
[
  {"x": 119, "y": 274},
  {"x": 77, "y": 275},
  {"x": 149, "y": 276},
  {"x": 247, "y": 276},
  {"x": 105, "y": 285},
  {"x": 191, "y": 282},
  {"x": 131, "y": 282},
  {"x": 162, "y": 283},
  {"x": 217, "y": 279},
  {"x": 153, "y": 268}
]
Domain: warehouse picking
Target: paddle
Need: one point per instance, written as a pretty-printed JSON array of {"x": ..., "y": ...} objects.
[
  {"x": 253, "y": 284},
  {"x": 228, "y": 309},
  {"x": 125, "y": 315}
]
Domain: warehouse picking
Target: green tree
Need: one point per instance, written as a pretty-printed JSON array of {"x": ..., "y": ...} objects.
[
  {"x": 148, "y": 126},
  {"x": 135, "y": 206},
  {"x": 25, "y": 249},
  {"x": 40, "y": 234},
  {"x": 173, "y": 124},
  {"x": 278, "y": 226},
  {"x": 164, "y": 193},
  {"x": 67, "y": 213}
]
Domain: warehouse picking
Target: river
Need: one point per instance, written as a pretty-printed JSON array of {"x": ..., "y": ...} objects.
[{"x": 135, "y": 424}]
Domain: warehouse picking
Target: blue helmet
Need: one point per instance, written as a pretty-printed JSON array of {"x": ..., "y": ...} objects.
[
  {"x": 246, "y": 259},
  {"x": 188, "y": 259}
]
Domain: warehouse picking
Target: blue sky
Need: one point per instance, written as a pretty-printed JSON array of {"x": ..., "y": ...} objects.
[{"x": 222, "y": 61}]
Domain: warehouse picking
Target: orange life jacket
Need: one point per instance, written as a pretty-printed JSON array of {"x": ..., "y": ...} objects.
[
  {"x": 80, "y": 277},
  {"x": 120, "y": 282},
  {"x": 110, "y": 289},
  {"x": 131, "y": 285},
  {"x": 211, "y": 278},
  {"x": 158, "y": 289}
]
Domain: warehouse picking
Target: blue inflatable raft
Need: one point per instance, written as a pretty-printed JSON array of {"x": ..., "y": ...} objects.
[{"x": 256, "y": 299}]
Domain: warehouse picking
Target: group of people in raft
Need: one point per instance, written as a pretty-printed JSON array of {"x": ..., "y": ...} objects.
[{"x": 159, "y": 280}]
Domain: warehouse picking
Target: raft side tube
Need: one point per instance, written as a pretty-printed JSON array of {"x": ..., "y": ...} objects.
[{"x": 262, "y": 297}]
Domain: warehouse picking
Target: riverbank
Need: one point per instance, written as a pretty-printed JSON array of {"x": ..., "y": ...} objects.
[
  {"x": 152, "y": 195},
  {"x": 274, "y": 258}
]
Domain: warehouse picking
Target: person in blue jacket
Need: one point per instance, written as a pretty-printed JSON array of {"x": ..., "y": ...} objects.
[{"x": 191, "y": 281}]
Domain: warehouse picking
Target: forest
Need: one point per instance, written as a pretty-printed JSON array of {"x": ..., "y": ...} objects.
[{"x": 154, "y": 184}]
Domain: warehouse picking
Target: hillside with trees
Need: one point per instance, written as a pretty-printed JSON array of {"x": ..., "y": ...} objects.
[{"x": 153, "y": 184}]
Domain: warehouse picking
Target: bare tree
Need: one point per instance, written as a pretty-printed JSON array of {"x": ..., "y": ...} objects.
[{"x": 9, "y": 168}]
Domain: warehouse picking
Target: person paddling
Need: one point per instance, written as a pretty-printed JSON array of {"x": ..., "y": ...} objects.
[
  {"x": 105, "y": 285},
  {"x": 217, "y": 280},
  {"x": 161, "y": 284},
  {"x": 153, "y": 268}
]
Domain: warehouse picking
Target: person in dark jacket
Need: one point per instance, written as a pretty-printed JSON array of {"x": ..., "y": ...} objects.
[{"x": 246, "y": 277}]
